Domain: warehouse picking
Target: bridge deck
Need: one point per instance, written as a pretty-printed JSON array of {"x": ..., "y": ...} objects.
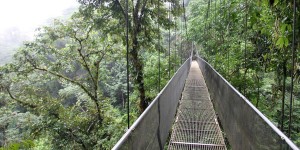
[{"x": 196, "y": 125}]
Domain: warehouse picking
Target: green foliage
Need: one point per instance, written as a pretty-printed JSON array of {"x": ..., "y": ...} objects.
[
  {"x": 57, "y": 79},
  {"x": 26, "y": 144},
  {"x": 152, "y": 73}
]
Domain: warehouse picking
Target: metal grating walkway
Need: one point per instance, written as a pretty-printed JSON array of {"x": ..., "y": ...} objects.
[{"x": 196, "y": 126}]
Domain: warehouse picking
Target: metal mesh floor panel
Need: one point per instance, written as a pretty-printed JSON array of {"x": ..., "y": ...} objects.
[{"x": 196, "y": 126}]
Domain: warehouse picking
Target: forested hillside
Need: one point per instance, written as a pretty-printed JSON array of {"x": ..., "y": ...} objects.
[{"x": 251, "y": 44}]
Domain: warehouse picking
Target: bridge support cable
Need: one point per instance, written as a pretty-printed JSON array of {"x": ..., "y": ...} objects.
[
  {"x": 184, "y": 17},
  {"x": 175, "y": 45},
  {"x": 186, "y": 27},
  {"x": 245, "y": 48},
  {"x": 293, "y": 67},
  {"x": 127, "y": 65},
  {"x": 183, "y": 26},
  {"x": 169, "y": 41},
  {"x": 158, "y": 42},
  {"x": 181, "y": 41}
]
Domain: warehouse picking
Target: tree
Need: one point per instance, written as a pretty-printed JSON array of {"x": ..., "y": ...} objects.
[
  {"x": 143, "y": 15},
  {"x": 57, "y": 78}
]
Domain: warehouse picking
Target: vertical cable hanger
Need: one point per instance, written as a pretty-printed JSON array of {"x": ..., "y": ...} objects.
[
  {"x": 228, "y": 49},
  {"x": 158, "y": 30},
  {"x": 207, "y": 25},
  {"x": 175, "y": 43},
  {"x": 127, "y": 64},
  {"x": 170, "y": 40},
  {"x": 183, "y": 5},
  {"x": 215, "y": 32},
  {"x": 215, "y": 25},
  {"x": 245, "y": 49},
  {"x": 293, "y": 67},
  {"x": 184, "y": 17},
  {"x": 181, "y": 40}
]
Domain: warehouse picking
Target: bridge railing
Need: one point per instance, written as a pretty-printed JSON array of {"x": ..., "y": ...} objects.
[
  {"x": 245, "y": 126},
  {"x": 151, "y": 129}
]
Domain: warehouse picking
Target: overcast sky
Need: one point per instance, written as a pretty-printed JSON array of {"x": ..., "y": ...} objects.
[{"x": 30, "y": 14}]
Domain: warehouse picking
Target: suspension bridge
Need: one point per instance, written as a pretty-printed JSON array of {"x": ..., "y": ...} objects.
[
  {"x": 200, "y": 110},
  {"x": 197, "y": 110}
]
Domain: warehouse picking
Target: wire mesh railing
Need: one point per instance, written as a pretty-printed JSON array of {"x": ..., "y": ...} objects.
[
  {"x": 151, "y": 129},
  {"x": 245, "y": 126}
]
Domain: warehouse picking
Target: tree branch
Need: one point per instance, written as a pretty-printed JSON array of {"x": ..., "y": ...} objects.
[
  {"x": 122, "y": 9},
  {"x": 68, "y": 79},
  {"x": 143, "y": 9},
  {"x": 19, "y": 101},
  {"x": 93, "y": 97},
  {"x": 79, "y": 50},
  {"x": 137, "y": 8}
]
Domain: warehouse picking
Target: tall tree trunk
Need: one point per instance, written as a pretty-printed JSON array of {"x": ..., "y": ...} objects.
[
  {"x": 138, "y": 71},
  {"x": 137, "y": 62}
]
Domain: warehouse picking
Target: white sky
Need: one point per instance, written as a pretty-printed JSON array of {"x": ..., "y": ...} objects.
[{"x": 30, "y": 14}]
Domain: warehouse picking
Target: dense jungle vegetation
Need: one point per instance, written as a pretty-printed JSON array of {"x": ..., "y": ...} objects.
[{"x": 67, "y": 88}]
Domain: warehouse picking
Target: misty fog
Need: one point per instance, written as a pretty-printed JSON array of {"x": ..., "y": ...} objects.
[{"x": 19, "y": 20}]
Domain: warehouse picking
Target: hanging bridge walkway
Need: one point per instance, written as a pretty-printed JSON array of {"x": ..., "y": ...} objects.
[
  {"x": 183, "y": 117},
  {"x": 196, "y": 125}
]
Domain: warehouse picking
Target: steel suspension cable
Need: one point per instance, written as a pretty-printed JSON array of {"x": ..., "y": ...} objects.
[
  {"x": 169, "y": 40},
  {"x": 183, "y": 25},
  {"x": 245, "y": 49},
  {"x": 215, "y": 32},
  {"x": 228, "y": 48},
  {"x": 158, "y": 43},
  {"x": 184, "y": 17},
  {"x": 180, "y": 40},
  {"x": 209, "y": 23},
  {"x": 186, "y": 27},
  {"x": 293, "y": 66},
  {"x": 175, "y": 44},
  {"x": 127, "y": 64}
]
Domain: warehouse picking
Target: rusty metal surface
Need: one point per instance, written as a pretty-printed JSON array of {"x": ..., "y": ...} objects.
[{"x": 196, "y": 126}]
